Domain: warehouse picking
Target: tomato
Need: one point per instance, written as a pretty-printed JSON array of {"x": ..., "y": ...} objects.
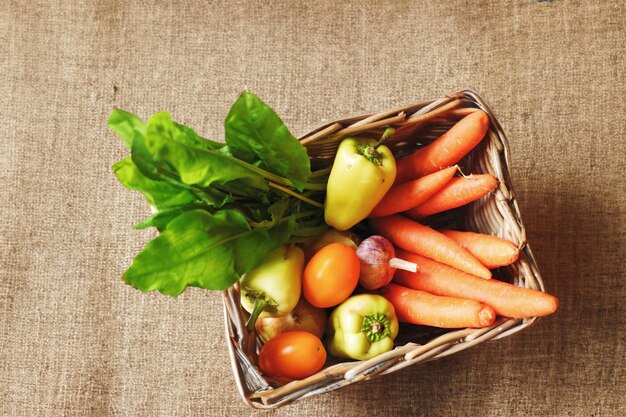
[
  {"x": 292, "y": 355},
  {"x": 331, "y": 275}
]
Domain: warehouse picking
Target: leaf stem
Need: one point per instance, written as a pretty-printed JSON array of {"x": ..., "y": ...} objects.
[
  {"x": 310, "y": 231},
  {"x": 244, "y": 164},
  {"x": 301, "y": 215},
  {"x": 294, "y": 194},
  {"x": 320, "y": 172},
  {"x": 194, "y": 190},
  {"x": 266, "y": 174},
  {"x": 314, "y": 186}
]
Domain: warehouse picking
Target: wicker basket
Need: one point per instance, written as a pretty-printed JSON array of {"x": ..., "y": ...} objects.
[{"x": 496, "y": 214}]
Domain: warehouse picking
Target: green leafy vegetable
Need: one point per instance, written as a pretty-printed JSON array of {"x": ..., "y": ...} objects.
[
  {"x": 158, "y": 194},
  {"x": 254, "y": 248},
  {"x": 126, "y": 125},
  {"x": 163, "y": 217},
  {"x": 196, "y": 249},
  {"x": 220, "y": 208},
  {"x": 253, "y": 131},
  {"x": 168, "y": 143}
]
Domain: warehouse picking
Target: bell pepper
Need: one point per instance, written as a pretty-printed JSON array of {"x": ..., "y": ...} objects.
[
  {"x": 362, "y": 173},
  {"x": 362, "y": 327},
  {"x": 274, "y": 287}
]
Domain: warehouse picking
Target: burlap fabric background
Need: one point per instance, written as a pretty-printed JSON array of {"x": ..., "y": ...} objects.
[{"x": 74, "y": 340}]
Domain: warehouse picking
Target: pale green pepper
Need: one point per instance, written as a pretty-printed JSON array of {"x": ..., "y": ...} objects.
[
  {"x": 362, "y": 173},
  {"x": 362, "y": 327},
  {"x": 273, "y": 288}
]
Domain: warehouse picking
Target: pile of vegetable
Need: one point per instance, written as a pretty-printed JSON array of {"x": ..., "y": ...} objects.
[{"x": 325, "y": 261}]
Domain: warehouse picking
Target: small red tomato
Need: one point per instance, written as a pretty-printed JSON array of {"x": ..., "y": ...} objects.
[
  {"x": 292, "y": 355},
  {"x": 331, "y": 275}
]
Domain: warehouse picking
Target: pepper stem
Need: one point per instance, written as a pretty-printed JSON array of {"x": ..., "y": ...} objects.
[
  {"x": 375, "y": 327},
  {"x": 259, "y": 306},
  {"x": 370, "y": 152},
  {"x": 388, "y": 132}
]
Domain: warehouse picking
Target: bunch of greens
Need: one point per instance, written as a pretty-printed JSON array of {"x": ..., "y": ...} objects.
[{"x": 220, "y": 208}]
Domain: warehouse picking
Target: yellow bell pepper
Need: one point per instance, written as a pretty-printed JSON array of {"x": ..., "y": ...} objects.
[
  {"x": 362, "y": 327},
  {"x": 273, "y": 288},
  {"x": 362, "y": 173}
]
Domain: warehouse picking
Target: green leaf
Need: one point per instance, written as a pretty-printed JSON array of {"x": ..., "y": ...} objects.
[
  {"x": 276, "y": 212},
  {"x": 171, "y": 145},
  {"x": 266, "y": 236},
  {"x": 163, "y": 217},
  {"x": 251, "y": 250},
  {"x": 217, "y": 215},
  {"x": 190, "y": 137},
  {"x": 254, "y": 131},
  {"x": 196, "y": 249},
  {"x": 126, "y": 125},
  {"x": 157, "y": 193},
  {"x": 201, "y": 249}
]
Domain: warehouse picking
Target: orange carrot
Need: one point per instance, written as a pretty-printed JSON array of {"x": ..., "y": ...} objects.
[
  {"x": 407, "y": 195},
  {"x": 506, "y": 299},
  {"x": 491, "y": 251},
  {"x": 419, "y": 307},
  {"x": 417, "y": 238},
  {"x": 456, "y": 193},
  {"x": 447, "y": 150}
]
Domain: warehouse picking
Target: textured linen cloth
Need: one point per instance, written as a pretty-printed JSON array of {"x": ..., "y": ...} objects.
[{"x": 76, "y": 341}]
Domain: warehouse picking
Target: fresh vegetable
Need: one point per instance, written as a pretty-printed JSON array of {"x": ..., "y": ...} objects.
[
  {"x": 362, "y": 327},
  {"x": 404, "y": 196},
  {"x": 447, "y": 150},
  {"x": 378, "y": 262},
  {"x": 456, "y": 193},
  {"x": 157, "y": 193},
  {"x": 417, "y": 238},
  {"x": 506, "y": 299},
  {"x": 303, "y": 317},
  {"x": 332, "y": 236},
  {"x": 362, "y": 173},
  {"x": 331, "y": 275},
  {"x": 255, "y": 134},
  {"x": 273, "y": 288},
  {"x": 220, "y": 208},
  {"x": 292, "y": 355},
  {"x": 491, "y": 251},
  {"x": 419, "y": 307}
]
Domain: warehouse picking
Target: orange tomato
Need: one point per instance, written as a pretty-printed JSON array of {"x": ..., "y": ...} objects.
[
  {"x": 292, "y": 355},
  {"x": 331, "y": 275}
]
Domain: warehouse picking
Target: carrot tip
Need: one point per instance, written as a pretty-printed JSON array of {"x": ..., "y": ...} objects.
[
  {"x": 485, "y": 274},
  {"x": 555, "y": 304},
  {"x": 486, "y": 316}
]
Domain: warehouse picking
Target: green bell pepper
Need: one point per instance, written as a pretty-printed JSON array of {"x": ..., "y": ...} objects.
[
  {"x": 362, "y": 173},
  {"x": 273, "y": 288},
  {"x": 362, "y": 327}
]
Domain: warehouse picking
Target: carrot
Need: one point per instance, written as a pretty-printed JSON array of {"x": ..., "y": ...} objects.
[
  {"x": 447, "y": 150},
  {"x": 415, "y": 237},
  {"x": 506, "y": 299},
  {"x": 491, "y": 251},
  {"x": 419, "y": 307},
  {"x": 456, "y": 193},
  {"x": 407, "y": 195}
]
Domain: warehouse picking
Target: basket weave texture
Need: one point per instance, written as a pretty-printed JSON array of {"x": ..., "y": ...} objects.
[{"x": 495, "y": 214}]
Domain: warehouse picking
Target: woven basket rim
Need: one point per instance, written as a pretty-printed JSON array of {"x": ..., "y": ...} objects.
[{"x": 259, "y": 393}]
